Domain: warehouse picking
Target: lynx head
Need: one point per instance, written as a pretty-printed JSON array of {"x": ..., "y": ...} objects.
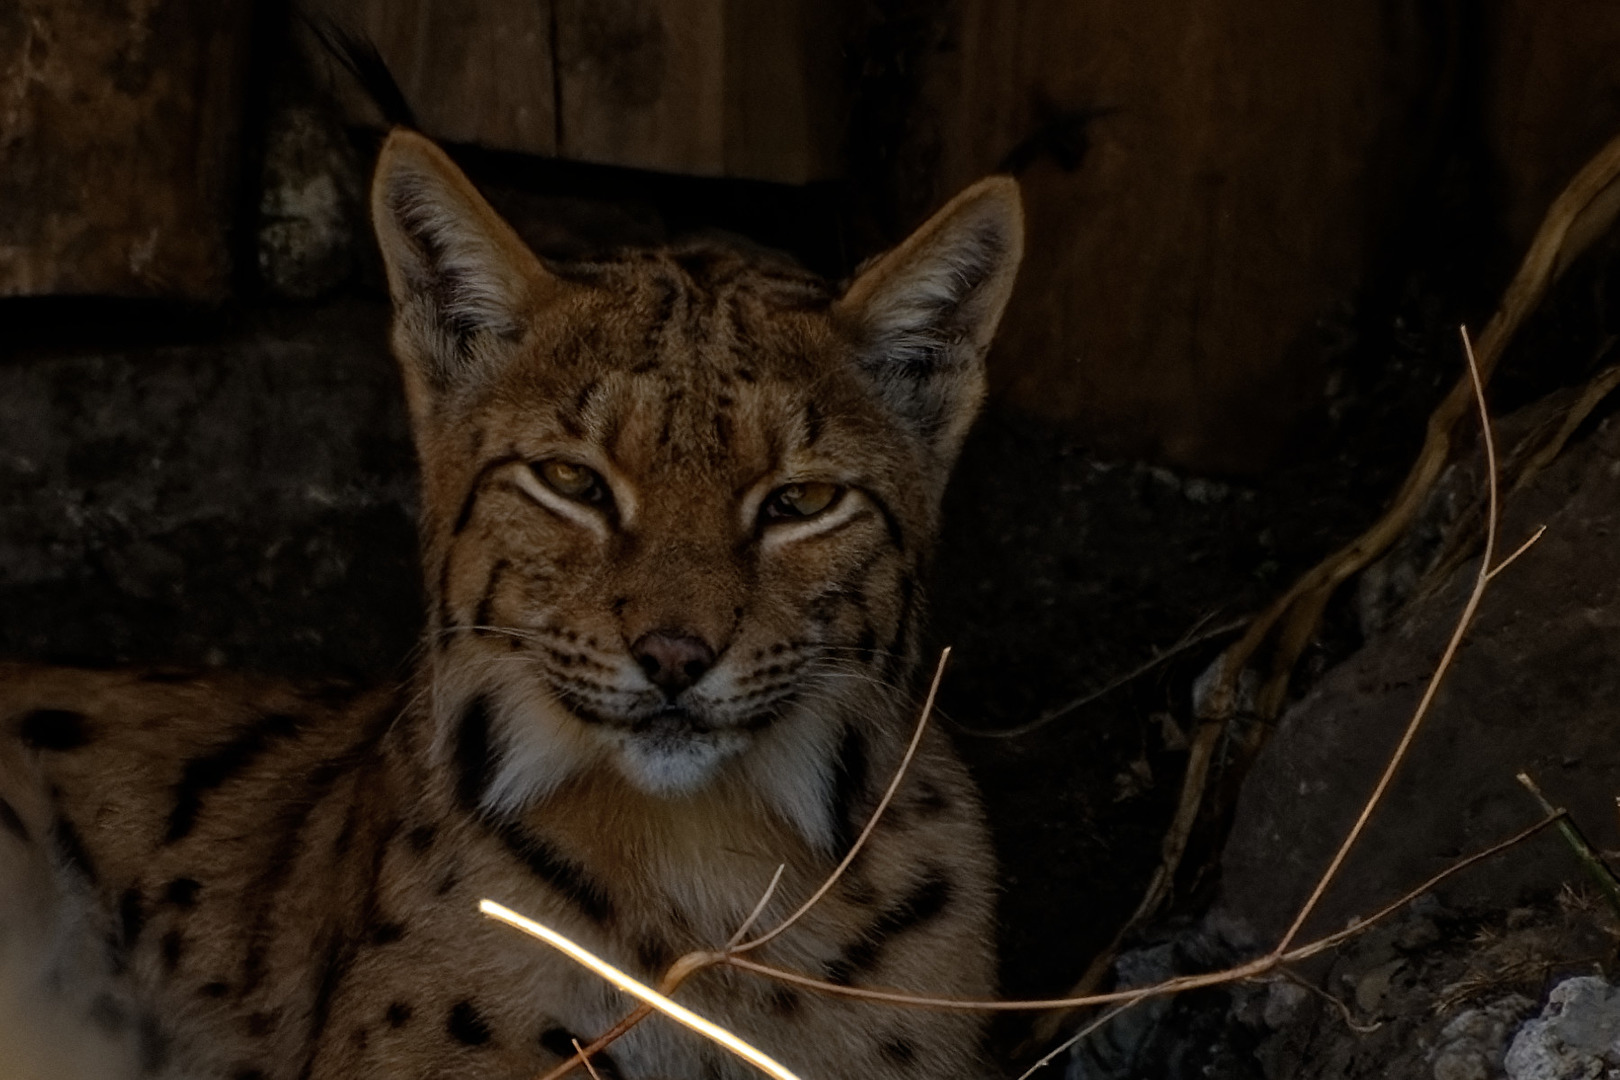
[{"x": 675, "y": 503}]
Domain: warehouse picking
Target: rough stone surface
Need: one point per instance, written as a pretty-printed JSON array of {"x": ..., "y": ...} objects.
[
  {"x": 1533, "y": 688},
  {"x": 1471, "y": 1044},
  {"x": 244, "y": 500},
  {"x": 1577, "y": 1036}
]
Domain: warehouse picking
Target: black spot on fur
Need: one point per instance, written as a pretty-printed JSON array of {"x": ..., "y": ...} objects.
[
  {"x": 924, "y": 902},
  {"x": 475, "y": 762},
  {"x": 13, "y": 822},
  {"x": 812, "y": 424},
  {"x": 387, "y": 933},
  {"x": 248, "y": 1074},
  {"x": 654, "y": 954},
  {"x": 582, "y": 400},
  {"x": 182, "y": 892},
  {"x": 467, "y": 1025},
  {"x": 345, "y": 837},
  {"x": 866, "y": 644},
  {"x": 108, "y": 1014},
  {"x": 897, "y": 535},
  {"x": 260, "y": 1024},
  {"x": 899, "y": 1051},
  {"x": 783, "y": 1002},
  {"x": 70, "y": 847},
  {"x": 421, "y": 838},
  {"x": 849, "y": 790},
  {"x": 901, "y": 645},
  {"x": 170, "y": 948},
  {"x": 930, "y": 801},
  {"x": 54, "y": 729},
  {"x": 398, "y": 1014},
  {"x": 484, "y": 616},
  {"x": 470, "y": 499},
  {"x": 562, "y": 874},
  {"x": 559, "y": 1041},
  {"x": 152, "y": 1044},
  {"x": 334, "y": 966},
  {"x": 131, "y": 917},
  {"x": 216, "y": 988},
  {"x": 204, "y": 774}
]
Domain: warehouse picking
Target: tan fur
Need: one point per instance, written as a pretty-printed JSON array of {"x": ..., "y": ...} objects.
[{"x": 250, "y": 880}]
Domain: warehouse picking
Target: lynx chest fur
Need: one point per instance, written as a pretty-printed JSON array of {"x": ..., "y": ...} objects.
[{"x": 675, "y": 510}]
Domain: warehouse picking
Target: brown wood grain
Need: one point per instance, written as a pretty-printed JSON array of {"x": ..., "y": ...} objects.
[
  {"x": 700, "y": 87},
  {"x": 118, "y": 128}
]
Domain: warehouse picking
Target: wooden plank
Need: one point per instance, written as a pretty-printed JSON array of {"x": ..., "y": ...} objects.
[
  {"x": 784, "y": 92},
  {"x": 703, "y": 87},
  {"x": 473, "y": 72},
  {"x": 1239, "y": 158},
  {"x": 642, "y": 83},
  {"x": 1552, "y": 100},
  {"x": 117, "y": 146}
]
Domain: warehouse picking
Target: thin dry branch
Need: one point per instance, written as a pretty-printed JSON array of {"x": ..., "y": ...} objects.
[
  {"x": 1096, "y": 1025},
  {"x": 1481, "y": 580},
  {"x": 871, "y": 823},
  {"x": 1193, "y": 638}
]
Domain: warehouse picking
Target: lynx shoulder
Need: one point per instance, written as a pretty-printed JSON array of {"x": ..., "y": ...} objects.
[{"x": 676, "y": 506}]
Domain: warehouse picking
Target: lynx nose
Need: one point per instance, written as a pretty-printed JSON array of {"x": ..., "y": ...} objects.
[{"x": 672, "y": 660}]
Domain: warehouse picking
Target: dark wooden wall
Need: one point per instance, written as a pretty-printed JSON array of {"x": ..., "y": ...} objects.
[{"x": 1213, "y": 188}]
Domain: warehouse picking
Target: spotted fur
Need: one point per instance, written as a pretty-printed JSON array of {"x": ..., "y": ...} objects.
[{"x": 650, "y": 677}]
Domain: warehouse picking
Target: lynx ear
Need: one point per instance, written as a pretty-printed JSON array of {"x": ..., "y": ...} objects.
[
  {"x": 926, "y": 311},
  {"x": 461, "y": 280}
]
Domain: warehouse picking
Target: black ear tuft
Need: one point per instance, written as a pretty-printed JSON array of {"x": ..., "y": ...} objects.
[{"x": 924, "y": 313}]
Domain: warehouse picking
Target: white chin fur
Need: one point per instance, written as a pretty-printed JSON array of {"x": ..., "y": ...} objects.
[{"x": 666, "y": 764}]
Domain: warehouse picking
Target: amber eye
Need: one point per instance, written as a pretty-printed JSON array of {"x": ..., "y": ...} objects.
[
  {"x": 796, "y": 502},
  {"x": 571, "y": 481}
]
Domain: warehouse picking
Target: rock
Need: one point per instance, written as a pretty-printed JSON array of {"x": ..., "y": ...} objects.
[
  {"x": 1532, "y": 688},
  {"x": 1470, "y": 1045},
  {"x": 1577, "y": 1036}
]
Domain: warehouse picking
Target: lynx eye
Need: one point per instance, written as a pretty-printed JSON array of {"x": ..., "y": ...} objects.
[
  {"x": 795, "y": 502},
  {"x": 572, "y": 481}
]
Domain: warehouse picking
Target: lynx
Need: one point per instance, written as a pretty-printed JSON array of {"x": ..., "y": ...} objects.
[{"x": 676, "y": 506}]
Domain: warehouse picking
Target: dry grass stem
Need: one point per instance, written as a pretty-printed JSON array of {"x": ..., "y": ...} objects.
[
  {"x": 877, "y": 814},
  {"x": 1520, "y": 550},
  {"x": 1193, "y": 638},
  {"x": 585, "y": 1059},
  {"x": 1338, "y": 938},
  {"x": 759, "y": 908},
  {"x": 583, "y": 1056},
  {"x": 1096, "y": 1025},
  {"x": 1481, "y": 580},
  {"x": 606, "y": 971},
  {"x": 1590, "y": 860}
]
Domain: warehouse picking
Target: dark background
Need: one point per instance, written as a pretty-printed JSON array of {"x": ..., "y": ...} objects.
[{"x": 1254, "y": 227}]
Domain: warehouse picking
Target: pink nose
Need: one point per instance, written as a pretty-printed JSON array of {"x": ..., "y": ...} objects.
[{"x": 672, "y": 660}]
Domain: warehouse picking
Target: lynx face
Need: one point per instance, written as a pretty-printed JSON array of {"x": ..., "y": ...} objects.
[{"x": 676, "y": 504}]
